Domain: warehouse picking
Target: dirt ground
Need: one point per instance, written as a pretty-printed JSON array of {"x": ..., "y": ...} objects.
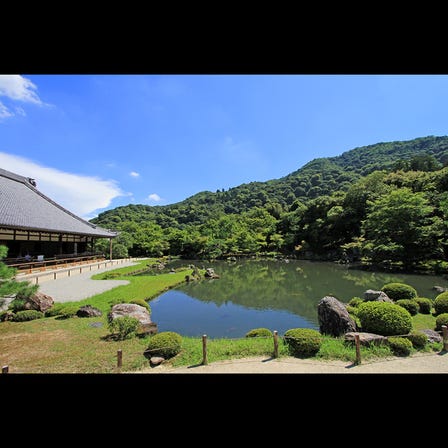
[{"x": 436, "y": 362}]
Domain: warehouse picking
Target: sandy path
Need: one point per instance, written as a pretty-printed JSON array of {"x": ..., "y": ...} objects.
[{"x": 436, "y": 362}]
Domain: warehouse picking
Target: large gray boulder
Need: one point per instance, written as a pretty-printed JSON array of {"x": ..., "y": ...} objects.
[
  {"x": 378, "y": 296},
  {"x": 365, "y": 338},
  {"x": 432, "y": 335},
  {"x": 39, "y": 302},
  {"x": 333, "y": 317},
  {"x": 137, "y": 311}
]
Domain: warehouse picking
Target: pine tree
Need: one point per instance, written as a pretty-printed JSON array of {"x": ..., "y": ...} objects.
[{"x": 8, "y": 284}]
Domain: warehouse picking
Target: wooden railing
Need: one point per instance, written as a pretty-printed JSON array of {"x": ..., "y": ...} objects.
[{"x": 52, "y": 263}]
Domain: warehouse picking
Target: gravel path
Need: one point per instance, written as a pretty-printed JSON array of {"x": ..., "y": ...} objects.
[
  {"x": 81, "y": 286},
  {"x": 418, "y": 363}
]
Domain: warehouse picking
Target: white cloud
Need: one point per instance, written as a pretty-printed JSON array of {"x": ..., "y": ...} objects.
[
  {"x": 134, "y": 174},
  {"x": 4, "y": 111},
  {"x": 154, "y": 197},
  {"x": 82, "y": 195},
  {"x": 17, "y": 88}
]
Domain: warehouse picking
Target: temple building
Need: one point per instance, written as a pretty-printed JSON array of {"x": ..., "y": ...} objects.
[{"x": 33, "y": 225}]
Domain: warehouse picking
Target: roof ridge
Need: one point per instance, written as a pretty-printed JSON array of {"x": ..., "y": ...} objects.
[{"x": 31, "y": 184}]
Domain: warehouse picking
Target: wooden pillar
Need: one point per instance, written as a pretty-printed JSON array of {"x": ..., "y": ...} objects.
[
  {"x": 445, "y": 337},
  {"x": 204, "y": 350},
  {"x": 275, "y": 344},
  {"x": 110, "y": 248},
  {"x": 358, "y": 350}
]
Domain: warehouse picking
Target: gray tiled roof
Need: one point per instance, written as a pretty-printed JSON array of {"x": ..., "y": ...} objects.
[{"x": 23, "y": 206}]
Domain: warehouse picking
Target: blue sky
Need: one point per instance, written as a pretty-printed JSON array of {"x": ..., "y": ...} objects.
[{"x": 95, "y": 142}]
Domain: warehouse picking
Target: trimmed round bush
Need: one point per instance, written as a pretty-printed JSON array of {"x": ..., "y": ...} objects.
[
  {"x": 303, "y": 342},
  {"x": 143, "y": 303},
  {"x": 352, "y": 310},
  {"x": 400, "y": 346},
  {"x": 124, "y": 327},
  {"x": 259, "y": 333},
  {"x": 418, "y": 339},
  {"x": 165, "y": 344},
  {"x": 23, "y": 316},
  {"x": 424, "y": 305},
  {"x": 397, "y": 291},
  {"x": 384, "y": 318},
  {"x": 356, "y": 301},
  {"x": 441, "y": 303},
  {"x": 409, "y": 304},
  {"x": 442, "y": 319}
]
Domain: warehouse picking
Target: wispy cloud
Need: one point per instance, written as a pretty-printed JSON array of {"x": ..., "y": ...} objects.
[
  {"x": 154, "y": 197},
  {"x": 82, "y": 195},
  {"x": 134, "y": 174},
  {"x": 17, "y": 88}
]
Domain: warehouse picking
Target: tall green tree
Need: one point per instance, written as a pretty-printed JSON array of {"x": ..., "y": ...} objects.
[{"x": 401, "y": 226}]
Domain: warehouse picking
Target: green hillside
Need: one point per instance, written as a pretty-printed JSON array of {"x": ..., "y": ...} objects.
[{"x": 311, "y": 212}]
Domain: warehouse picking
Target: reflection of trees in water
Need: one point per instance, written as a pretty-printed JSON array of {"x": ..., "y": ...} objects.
[{"x": 296, "y": 286}]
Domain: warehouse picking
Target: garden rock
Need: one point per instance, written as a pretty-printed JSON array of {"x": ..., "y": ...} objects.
[
  {"x": 439, "y": 289},
  {"x": 432, "y": 335},
  {"x": 156, "y": 360},
  {"x": 210, "y": 273},
  {"x": 88, "y": 311},
  {"x": 333, "y": 317},
  {"x": 378, "y": 296},
  {"x": 38, "y": 302},
  {"x": 365, "y": 338},
  {"x": 137, "y": 311}
]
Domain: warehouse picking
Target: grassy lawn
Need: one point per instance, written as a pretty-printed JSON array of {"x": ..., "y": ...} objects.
[{"x": 53, "y": 345}]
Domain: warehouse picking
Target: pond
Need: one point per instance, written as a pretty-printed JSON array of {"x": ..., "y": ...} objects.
[{"x": 277, "y": 295}]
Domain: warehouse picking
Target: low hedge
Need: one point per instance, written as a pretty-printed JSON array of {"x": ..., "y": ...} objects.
[
  {"x": 303, "y": 342},
  {"x": 165, "y": 344},
  {"x": 441, "y": 303},
  {"x": 442, "y": 319},
  {"x": 384, "y": 318},
  {"x": 400, "y": 346},
  {"x": 424, "y": 305},
  {"x": 418, "y": 339},
  {"x": 409, "y": 304},
  {"x": 355, "y": 301},
  {"x": 24, "y": 316},
  {"x": 397, "y": 291},
  {"x": 259, "y": 333}
]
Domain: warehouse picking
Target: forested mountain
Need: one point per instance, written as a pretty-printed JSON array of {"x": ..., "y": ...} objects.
[{"x": 320, "y": 210}]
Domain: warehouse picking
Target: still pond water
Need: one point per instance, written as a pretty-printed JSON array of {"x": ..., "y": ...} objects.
[{"x": 272, "y": 294}]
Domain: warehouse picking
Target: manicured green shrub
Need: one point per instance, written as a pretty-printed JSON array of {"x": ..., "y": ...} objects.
[
  {"x": 62, "y": 310},
  {"x": 418, "y": 339},
  {"x": 165, "y": 344},
  {"x": 441, "y": 303},
  {"x": 259, "y": 333},
  {"x": 442, "y": 319},
  {"x": 424, "y": 305},
  {"x": 384, "y": 318},
  {"x": 143, "y": 303},
  {"x": 23, "y": 316},
  {"x": 124, "y": 327},
  {"x": 356, "y": 301},
  {"x": 303, "y": 342},
  {"x": 352, "y": 310},
  {"x": 409, "y": 304},
  {"x": 397, "y": 291},
  {"x": 17, "y": 305},
  {"x": 400, "y": 346}
]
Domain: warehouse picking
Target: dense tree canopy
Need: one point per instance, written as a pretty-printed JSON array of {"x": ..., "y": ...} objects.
[{"x": 386, "y": 202}]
